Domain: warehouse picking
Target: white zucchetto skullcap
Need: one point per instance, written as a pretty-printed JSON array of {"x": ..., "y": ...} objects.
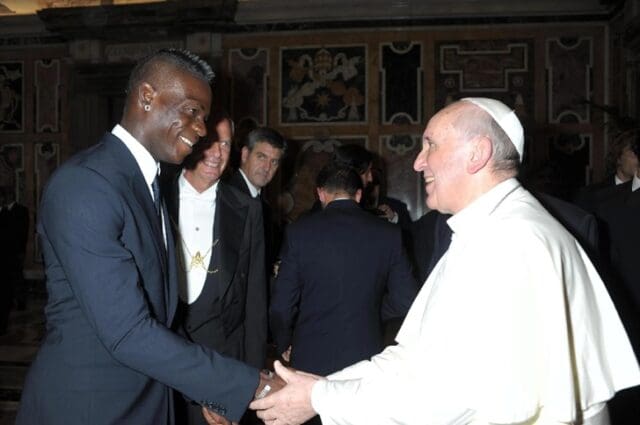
[{"x": 505, "y": 117}]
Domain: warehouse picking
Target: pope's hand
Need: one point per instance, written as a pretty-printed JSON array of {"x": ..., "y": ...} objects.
[{"x": 292, "y": 404}]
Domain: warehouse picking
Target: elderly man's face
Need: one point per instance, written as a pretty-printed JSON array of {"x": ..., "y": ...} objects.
[{"x": 442, "y": 163}]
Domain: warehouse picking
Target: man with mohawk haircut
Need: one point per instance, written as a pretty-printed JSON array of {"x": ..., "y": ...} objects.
[{"x": 108, "y": 355}]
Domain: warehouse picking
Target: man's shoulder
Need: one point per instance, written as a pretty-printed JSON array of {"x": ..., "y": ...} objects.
[
  {"x": 235, "y": 179},
  {"x": 358, "y": 218},
  {"x": 235, "y": 196},
  {"x": 105, "y": 156},
  {"x": 106, "y": 163}
]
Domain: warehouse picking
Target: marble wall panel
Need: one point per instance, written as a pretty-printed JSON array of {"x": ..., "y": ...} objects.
[
  {"x": 323, "y": 84},
  {"x": 249, "y": 72},
  {"x": 12, "y": 97},
  {"x": 569, "y": 65},
  {"x": 501, "y": 69},
  {"x": 403, "y": 183},
  {"x": 47, "y": 95},
  {"x": 401, "y": 82}
]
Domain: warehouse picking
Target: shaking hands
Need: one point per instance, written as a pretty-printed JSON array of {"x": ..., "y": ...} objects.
[
  {"x": 269, "y": 384},
  {"x": 290, "y": 405}
]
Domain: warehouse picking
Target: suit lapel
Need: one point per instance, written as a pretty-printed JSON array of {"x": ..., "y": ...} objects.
[
  {"x": 171, "y": 277},
  {"x": 127, "y": 165},
  {"x": 228, "y": 229},
  {"x": 141, "y": 193},
  {"x": 172, "y": 202}
]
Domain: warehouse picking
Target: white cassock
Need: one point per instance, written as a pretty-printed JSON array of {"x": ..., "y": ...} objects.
[{"x": 514, "y": 325}]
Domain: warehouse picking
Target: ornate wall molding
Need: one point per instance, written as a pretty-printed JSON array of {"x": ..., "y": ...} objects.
[
  {"x": 12, "y": 97},
  {"x": 249, "y": 73},
  {"x": 323, "y": 84},
  {"x": 401, "y": 76},
  {"x": 47, "y": 95},
  {"x": 569, "y": 64}
]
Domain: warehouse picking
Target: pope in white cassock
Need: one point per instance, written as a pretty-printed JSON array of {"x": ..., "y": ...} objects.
[{"x": 513, "y": 326}]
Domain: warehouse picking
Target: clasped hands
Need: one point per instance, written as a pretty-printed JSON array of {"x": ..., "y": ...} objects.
[{"x": 286, "y": 402}]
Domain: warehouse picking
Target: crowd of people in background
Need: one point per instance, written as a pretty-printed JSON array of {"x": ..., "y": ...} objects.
[{"x": 170, "y": 291}]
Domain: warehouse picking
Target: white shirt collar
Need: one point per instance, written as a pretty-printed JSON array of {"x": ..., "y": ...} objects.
[
  {"x": 147, "y": 164},
  {"x": 635, "y": 184},
  {"x": 466, "y": 220},
  {"x": 254, "y": 190},
  {"x": 187, "y": 190},
  {"x": 617, "y": 179}
]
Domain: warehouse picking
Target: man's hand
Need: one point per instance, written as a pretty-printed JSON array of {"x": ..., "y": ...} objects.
[
  {"x": 292, "y": 404},
  {"x": 286, "y": 356},
  {"x": 388, "y": 213},
  {"x": 213, "y": 418},
  {"x": 269, "y": 383}
]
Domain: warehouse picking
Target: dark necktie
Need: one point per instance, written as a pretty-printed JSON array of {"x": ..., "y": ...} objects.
[{"x": 156, "y": 198}]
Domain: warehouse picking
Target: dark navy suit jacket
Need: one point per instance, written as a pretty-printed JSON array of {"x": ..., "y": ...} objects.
[
  {"x": 272, "y": 231},
  {"x": 108, "y": 355},
  {"x": 343, "y": 272}
]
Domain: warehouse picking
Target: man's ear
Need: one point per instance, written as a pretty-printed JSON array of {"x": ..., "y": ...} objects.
[
  {"x": 322, "y": 196},
  {"x": 146, "y": 94},
  {"x": 481, "y": 153},
  {"x": 358, "y": 195},
  {"x": 244, "y": 155}
]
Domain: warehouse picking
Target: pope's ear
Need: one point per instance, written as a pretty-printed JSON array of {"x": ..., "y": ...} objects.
[{"x": 481, "y": 152}]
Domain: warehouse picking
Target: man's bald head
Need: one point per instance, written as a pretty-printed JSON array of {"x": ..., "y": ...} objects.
[{"x": 473, "y": 121}]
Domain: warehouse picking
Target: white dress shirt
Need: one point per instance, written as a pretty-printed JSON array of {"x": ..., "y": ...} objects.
[
  {"x": 511, "y": 318},
  {"x": 635, "y": 184},
  {"x": 617, "y": 180},
  {"x": 149, "y": 167},
  {"x": 197, "y": 216}
]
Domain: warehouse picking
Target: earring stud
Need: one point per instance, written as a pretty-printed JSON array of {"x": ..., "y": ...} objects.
[{"x": 147, "y": 107}]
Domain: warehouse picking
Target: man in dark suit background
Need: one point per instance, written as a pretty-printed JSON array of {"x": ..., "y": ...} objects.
[
  {"x": 619, "y": 216},
  {"x": 260, "y": 159},
  {"x": 343, "y": 273},
  {"x": 108, "y": 355},
  {"x": 14, "y": 228},
  {"x": 220, "y": 249},
  {"x": 622, "y": 164}
]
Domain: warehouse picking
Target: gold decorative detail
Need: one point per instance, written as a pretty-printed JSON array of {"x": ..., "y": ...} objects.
[{"x": 197, "y": 260}]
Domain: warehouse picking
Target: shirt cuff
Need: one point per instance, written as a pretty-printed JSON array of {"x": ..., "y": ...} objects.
[{"x": 318, "y": 395}]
